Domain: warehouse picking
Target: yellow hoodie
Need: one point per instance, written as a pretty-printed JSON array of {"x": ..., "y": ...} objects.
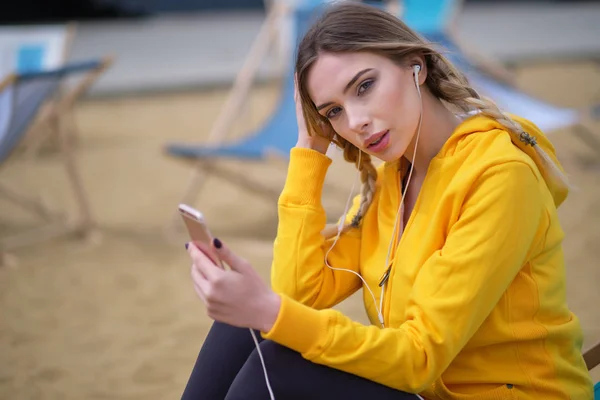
[{"x": 474, "y": 306}]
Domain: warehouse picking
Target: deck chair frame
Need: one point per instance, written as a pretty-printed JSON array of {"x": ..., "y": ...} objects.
[
  {"x": 591, "y": 355},
  {"x": 276, "y": 12},
  {"x": 59, "y": 110},
  {"x": 493, "y": 69},
  {"x": 485, "y": 63},
  {"x": 38, "y": 133},
  {"x": 57, "y": 224}
]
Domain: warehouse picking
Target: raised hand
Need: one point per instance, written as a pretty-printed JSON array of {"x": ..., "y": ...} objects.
[{"x": 313, "y": 140}]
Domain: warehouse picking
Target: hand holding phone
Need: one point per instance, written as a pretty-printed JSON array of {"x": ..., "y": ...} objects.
[{"x": 198, "y": 231}]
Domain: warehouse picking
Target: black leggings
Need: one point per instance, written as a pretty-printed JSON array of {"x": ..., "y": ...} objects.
[{"x": 228, "y": 367}]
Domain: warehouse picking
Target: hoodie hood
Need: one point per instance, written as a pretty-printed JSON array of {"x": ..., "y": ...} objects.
[{"x": 542, "y": 153}]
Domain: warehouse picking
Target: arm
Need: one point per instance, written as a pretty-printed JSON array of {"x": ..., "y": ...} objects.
[
  {"x": 298, "y": 270},
  {"x": 455, "y": 291}
]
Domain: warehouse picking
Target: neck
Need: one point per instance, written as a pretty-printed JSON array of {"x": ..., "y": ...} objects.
[{"x": 437, "y": 126}]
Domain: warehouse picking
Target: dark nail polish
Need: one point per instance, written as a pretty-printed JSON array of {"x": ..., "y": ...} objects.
[
  {"x": 217, "y": 243},
  {"x": 186, "y": 245}
]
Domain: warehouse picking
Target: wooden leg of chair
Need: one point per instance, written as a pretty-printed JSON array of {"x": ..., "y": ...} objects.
[
  {"x": 86, "y": 221},
  {"x": 245, "y": 76},
  {"x": 74, "y": 132},
  {"x": 33, "y": 141},
  {"x": 40, "y": 132},
  {"x": 592, "y": 356},
  {"x": 27, "y": 203},
  {"x": 201, "y": 172}
]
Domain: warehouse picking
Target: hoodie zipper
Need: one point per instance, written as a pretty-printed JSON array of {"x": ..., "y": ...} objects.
[
  {"x": 383, "y": 281},
  {"x": 396, "y": 237}
]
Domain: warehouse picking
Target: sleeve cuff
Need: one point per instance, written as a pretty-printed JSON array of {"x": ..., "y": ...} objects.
[
  {"x": 299, "y": 327},
  {"x": 306, "y": 175}
]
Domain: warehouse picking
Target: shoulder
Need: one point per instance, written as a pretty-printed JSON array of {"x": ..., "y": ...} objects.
[
  {"x": 493, "y": 149},
  {"x": 485, "y": 154}
]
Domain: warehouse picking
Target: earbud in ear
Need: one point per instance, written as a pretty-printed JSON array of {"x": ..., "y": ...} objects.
[{"x": 416, "y": 69}]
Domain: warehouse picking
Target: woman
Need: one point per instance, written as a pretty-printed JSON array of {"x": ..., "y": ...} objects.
[{"x": 455, "y": 240}]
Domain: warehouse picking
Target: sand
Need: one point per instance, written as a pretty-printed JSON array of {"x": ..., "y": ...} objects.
[{"x": 119, "y": 319}]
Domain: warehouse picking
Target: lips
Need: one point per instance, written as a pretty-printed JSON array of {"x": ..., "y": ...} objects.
[{"x": 372, "y": 140}]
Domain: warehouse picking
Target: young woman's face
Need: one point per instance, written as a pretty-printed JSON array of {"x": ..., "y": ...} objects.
[{"x": 368, "y": 99}]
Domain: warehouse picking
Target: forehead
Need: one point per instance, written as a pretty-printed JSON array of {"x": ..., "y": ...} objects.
[{"x": 330, "y": 73}]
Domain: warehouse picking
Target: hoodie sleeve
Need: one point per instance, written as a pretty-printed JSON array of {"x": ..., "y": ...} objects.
[
  {"x": 454, "y": 292},
  {"x": 299, "y": 270}
]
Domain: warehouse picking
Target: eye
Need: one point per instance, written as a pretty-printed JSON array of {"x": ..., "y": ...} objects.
[
  {"x": 333, "y": 112},
  {"x": 366, "y": 85}
]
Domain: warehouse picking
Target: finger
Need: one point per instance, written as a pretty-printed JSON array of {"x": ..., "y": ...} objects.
[
  {"x": 235, "y": 262},
  {"x": 201, "y": 284},
  {"x": 208, "y": 251},
  {"x": 326, "y": 130},
  {"x": 205, "y": 265},
  {"x": 199, "y": 293}
]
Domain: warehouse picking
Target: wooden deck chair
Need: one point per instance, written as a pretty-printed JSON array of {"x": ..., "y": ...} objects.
[
  {"x": 33, "y": 48},
  {"x": 274, "y": 138},
  {"x": 432, "y": 18},
  {"x": 59, "y": 111},
  {"x": 591, "y": 356},
  {"x": 37, "y": 48},
  {"x": 512, "y": 99},
  {"x": 435, "y": 20},
  {"x": 21, "y": 98}
]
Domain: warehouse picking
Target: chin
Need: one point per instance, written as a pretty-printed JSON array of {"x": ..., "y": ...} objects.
[{"x": 392, "y": 153}]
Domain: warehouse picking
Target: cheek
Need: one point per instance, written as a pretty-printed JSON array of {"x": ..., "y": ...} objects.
[
  {"x": 402, "y": 108},
  {"x": 341, "y": 128},
  {"x": 393, "y": 102}
]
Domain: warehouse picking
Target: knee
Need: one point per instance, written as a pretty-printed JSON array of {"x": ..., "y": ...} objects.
[
  {"x": 275, "y": 352},
  {"x": 250, "y": 383},
  {"x": 275, "y": 357}
]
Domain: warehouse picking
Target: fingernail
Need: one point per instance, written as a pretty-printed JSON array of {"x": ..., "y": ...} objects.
[
  {"x": 187, "y": 245},
  {"x": 217, "y": 243}
]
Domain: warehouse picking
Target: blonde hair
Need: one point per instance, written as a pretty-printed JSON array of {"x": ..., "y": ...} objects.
[{"x": 355, "y": 27}]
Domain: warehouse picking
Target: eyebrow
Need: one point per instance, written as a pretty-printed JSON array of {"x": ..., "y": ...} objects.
[{"x": 348, "y": 86}]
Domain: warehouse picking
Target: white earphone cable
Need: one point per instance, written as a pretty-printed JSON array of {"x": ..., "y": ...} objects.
[
  {"x": 340, "y": 226},
  {"x": 400, "y": 207},
  {"x": 343, "y": 219},
  {"x": 262, "y": 361}
]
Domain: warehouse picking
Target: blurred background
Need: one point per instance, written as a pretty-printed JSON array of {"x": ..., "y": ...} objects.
[{"x": 112, "y": 112}]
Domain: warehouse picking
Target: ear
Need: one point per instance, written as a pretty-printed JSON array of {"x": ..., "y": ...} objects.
[{"x": 419, "y": 60}]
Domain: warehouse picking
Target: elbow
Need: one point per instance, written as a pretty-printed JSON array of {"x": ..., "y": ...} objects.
[
  {"x": 428, "y": 361},
  {"x": 420, "y": 383},
  {"x": 415, "y": 380}
]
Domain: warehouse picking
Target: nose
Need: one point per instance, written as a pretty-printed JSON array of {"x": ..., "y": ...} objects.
[{"x": 358, "y": 119}]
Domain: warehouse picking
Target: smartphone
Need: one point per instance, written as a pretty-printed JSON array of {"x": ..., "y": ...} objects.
[{"x": 198, "y": 231}]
